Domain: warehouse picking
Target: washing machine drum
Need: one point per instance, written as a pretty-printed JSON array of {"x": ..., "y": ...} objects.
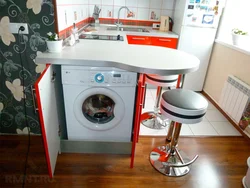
[{"x": 99, "y": 109}]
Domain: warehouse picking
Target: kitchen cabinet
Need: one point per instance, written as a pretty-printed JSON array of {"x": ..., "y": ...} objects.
[
  {"x": 164, "y": 42},
  {"x": 45, "y": 93},
  {"x": 154, "y": 41},
  {"x": 142, "y": 40},
  {"x": 141, "y": 89},
  {"x": 50, "y": 108}
]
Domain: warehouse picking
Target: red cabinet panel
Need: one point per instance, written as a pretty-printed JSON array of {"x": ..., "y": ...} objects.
[
  {"x": 142, "y": 40},
  {"x": 137, "y": 119},
  {"x": 165, "y": 42},
  {"x": 155, "y": 41}
]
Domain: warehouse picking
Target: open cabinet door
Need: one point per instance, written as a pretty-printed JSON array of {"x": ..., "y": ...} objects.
[
  {"x": 47, "y": 109},
  {"x": 137, "y": 119}
]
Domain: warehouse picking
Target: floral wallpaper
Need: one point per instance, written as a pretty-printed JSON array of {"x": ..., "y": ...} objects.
[{"x": 39, "y": 15}]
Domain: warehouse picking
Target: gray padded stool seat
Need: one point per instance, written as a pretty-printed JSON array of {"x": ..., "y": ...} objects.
[
  {"x": 180, "y": 106},
  {"x": 152, "y": 119},
  {"x": 183, "y": 106}
]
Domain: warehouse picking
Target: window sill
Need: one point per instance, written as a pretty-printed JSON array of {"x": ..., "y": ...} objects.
[{"x": 234, "y": 47}]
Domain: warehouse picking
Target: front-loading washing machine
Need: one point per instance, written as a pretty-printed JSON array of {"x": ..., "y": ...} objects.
[{"x": 99, "y": 103}]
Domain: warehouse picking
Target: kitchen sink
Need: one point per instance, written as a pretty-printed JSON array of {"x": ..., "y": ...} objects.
[{"x": 133, "y": 29}]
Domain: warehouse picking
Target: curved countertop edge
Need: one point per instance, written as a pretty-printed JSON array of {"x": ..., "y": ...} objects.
[{"x": 97, "y": 63}]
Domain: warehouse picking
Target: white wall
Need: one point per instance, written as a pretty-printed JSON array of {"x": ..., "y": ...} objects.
[
  {"x": 236, "y": 15},
  {"x": 70, "y": 11}
]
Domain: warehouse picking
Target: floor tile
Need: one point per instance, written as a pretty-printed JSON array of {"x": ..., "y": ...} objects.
[
  {"x": 213, "y": 124},
  {"x": 215, "y": 115},
  {"x": 186, "y": 131},
  {"x": 203, "y": 129},
  {"x": 204, "y": 119},
  {"x": 225, "y": 128},
  {"x": 146, "y": 110},
  {"x": 144, "y": 131},
  {"x": 149, "y": 103},
  {"x": 148, "y": 94},
  {"x": 153, "y": 93},
  {"x": 211, "y": 106}
]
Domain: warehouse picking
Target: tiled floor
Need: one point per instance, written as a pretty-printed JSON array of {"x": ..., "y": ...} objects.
[{"x": 213, "y": 124}]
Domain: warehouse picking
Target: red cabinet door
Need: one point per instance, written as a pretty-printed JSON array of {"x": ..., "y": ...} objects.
[
  {"x": 164, "y": 41},
  {"x": 143, "y": 40},
  {"x": 138, "y": 109}
]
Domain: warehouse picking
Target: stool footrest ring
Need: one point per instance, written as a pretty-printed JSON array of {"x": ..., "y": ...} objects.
[{"x": 170, "y": 164}]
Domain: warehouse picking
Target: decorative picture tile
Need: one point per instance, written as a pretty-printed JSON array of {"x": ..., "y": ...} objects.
[
  {"x": 107, "y": 11},
  {"x": 143, "y": 14},
  {"x": 143, "y": 3},
  {"x": 129, "y": 15},
  {"x": 154, "y": 14}
]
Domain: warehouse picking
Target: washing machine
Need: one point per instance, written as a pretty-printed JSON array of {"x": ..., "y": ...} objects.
[{"x": 99, "y": 103}]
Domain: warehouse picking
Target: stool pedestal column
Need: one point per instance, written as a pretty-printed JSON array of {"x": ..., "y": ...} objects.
[{"x": 153, "y": 119}]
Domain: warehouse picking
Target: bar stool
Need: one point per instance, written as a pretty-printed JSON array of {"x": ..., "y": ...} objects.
[
  {"x": 153, "y": 119},
  {"x": 180, "y": 106}
]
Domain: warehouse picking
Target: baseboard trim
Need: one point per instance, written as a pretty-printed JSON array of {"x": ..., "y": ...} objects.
[
  {"x": 225, "y": 114},
  {"x": 69, "y": 146}
]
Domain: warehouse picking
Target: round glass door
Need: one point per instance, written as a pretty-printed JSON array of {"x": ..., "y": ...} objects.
[{"x": 99, "y": 108}]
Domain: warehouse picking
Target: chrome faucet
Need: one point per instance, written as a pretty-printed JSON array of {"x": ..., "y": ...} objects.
[{"x": 118, "y": 19}]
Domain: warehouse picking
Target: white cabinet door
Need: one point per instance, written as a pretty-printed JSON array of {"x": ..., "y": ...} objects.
[{"x": 48, "y": 115}]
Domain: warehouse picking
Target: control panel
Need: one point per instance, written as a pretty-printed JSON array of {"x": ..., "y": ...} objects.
[{"x": 99, "y": 77}]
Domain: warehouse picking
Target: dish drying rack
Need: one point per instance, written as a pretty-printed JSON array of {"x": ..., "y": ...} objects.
[{"x": 96, "y": 14}]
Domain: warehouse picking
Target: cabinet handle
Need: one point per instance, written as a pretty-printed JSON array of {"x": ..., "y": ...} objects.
[
  {"x": 33, "y": 98},
  {"x": 165, "y": 40},
  {"x": 136, "y": 38}
]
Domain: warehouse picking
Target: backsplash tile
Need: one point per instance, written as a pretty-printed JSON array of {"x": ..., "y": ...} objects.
[
  {"x": 122, "y": 12},
  {"x": 119, "y": 2},
  {"x": 155, "y": 4},
  {"x": 108, "y": 2},
  {"x": 95, "y": 2},
  {"x": 131, "y": 3},
  {"x": 142, "y": 14},
  {"x": 143, "y": 3},
  {"x": 168, "y": 4},
  {"x": 144, "y": 10}
]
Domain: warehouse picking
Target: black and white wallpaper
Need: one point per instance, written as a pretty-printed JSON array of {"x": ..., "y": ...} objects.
[{"x": 39, "y": 15}]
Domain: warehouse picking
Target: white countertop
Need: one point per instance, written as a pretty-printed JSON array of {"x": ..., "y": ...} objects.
[{"x": 120, "y": 54}]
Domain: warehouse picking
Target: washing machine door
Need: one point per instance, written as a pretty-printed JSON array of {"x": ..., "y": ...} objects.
[{"x": 99, "y": 108}]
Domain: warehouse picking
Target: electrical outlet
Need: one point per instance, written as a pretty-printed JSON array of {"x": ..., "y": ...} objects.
[
  {"x": 156, "y": 25},
  {"x": 15, "y": 26}
]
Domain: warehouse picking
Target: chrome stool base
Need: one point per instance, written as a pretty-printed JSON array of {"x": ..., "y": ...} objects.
[
  {"x": 153, "y": 121},
  {"x": 173, "y": 165}
]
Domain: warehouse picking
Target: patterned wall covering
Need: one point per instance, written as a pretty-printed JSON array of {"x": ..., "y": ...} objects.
[{"x": 39, "y": 14}]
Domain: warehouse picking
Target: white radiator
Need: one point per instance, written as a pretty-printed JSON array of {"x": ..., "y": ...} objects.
[{"x": 234, "y": 98}]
